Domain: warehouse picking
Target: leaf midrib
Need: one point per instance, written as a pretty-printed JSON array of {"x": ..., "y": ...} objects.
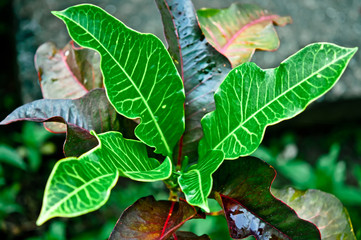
[
  {"x": 279, "y": 96},
  {"x": 73, "y": 193},
  {"x": 245, "y": 27},
  {"x": 169, "y": 152}
]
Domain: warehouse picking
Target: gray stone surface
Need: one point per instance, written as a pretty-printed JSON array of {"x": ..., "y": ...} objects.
[{"x": 337, "y": 21}]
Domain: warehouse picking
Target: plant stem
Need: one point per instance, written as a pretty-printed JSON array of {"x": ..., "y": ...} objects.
[
  {"x": 180, "y": 149},
  {"x": 220, "y": 212}
]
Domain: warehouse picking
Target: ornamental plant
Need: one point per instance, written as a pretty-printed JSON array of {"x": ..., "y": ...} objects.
[{"x": 189, "y": 116}]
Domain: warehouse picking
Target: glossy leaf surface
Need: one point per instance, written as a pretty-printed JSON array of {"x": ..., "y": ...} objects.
[
  {"x": 202, "y": 67},
  {"x": 139, "y": 76},
  {"x": 250, "y": 98},
  {"x": 239, "y": 30},
  {"x": 243, "y": 187},
  {"x": 149, "y": 219},
  {"x": 73, "y": 182},
  {"x": 90, "y": 112},
  {"x": 320, "y": 208},
  {"x": 197, "y": 183}
]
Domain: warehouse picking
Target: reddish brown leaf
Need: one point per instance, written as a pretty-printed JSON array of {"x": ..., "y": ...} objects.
[
  {"x": 149, "y": 219},
  {"x": 243, "y": 189},
  {"x": 188, "y": 236}
]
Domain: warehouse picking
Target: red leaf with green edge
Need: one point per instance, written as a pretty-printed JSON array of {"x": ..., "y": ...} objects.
[
  {"x": 243, "y": 186},
  {"x": 90, "y": 112},
  {"x": 188, "y": 236},
  {"x": 239, "y": 30},
  {"x": 150, "y": 219},
  {"x": 322, "y": 209},
  {"x": 201, "y": 66},
  {"x": 66, "y": 73}
]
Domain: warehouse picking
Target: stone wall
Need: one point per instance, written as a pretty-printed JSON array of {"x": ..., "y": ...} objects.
[{"x": 313, "y": 21}]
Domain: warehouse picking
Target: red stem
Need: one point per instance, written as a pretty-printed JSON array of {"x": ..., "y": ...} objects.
[
  {"x": 179, "y": 160},
  {"x": 166, "y": 221}
]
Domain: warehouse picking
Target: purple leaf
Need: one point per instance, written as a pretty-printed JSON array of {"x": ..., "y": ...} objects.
[
  {"x": 90, "y": 112},
  {"x": 151, "y": 219},
  {"x": 242, "y": 187},
  {"x": 201, "y": 67}
]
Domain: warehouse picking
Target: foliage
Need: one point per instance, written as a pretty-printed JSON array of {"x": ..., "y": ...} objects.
[
  {"x": 320, "y": 208},
  {"x": 328, "y": 173},
  {"x": 168, "y": 96}
]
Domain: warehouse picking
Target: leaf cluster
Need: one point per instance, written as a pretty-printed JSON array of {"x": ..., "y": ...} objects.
[{"x": 175, "y": 115}]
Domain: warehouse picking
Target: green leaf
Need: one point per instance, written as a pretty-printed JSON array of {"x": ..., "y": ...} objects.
[
  {"x": 130, "y": 158},
  {"x": 197, "y": 182},
  {"x": 201, "y": 66},
  {"x": 8, "y": 203},
  {"x": 78, "y": 186},
  {"x": 250, "y": 98},
  {"x": 243, "y": 186},
  {"x": 239, "y": 30},
  {"x": 320, "y": 208},
  {"x": 151, "y": 219},
  {"x": 10, "y": 156},
  {"x": 139, "y": 76}
]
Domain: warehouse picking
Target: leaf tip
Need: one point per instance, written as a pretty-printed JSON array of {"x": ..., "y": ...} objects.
[
  {"x": 41, "y": 219},
  {"x": 56, "y": 13}
]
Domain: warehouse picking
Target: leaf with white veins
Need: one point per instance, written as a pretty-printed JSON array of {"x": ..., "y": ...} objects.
[
  {"x": 139, "y": 76},
  {"x": 257, "y": 98},
  {"x": 80, "y": 185},
  {"x": 197, "y": 183}
]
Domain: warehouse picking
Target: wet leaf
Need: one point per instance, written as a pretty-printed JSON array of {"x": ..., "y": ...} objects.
[
  {"x": 250, "y": 99},
  {"x": 149, "y": 219},
  {"x": 320, "y": 208},
  {"x": 239, "y": 30},
  {"x": 90, "y": 112},
  {"x": 201, "y": 66},
  {"x": 242, "y": 187},
  {"x": 80, "y": 185},
  {"x": 139, "y": 75}
]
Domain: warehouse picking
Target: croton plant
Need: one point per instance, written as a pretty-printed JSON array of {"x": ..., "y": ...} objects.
[{"x": 187, "y": 115}]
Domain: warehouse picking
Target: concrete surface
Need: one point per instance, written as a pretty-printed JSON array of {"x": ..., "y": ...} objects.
[{"x": 313, "y": 21}]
